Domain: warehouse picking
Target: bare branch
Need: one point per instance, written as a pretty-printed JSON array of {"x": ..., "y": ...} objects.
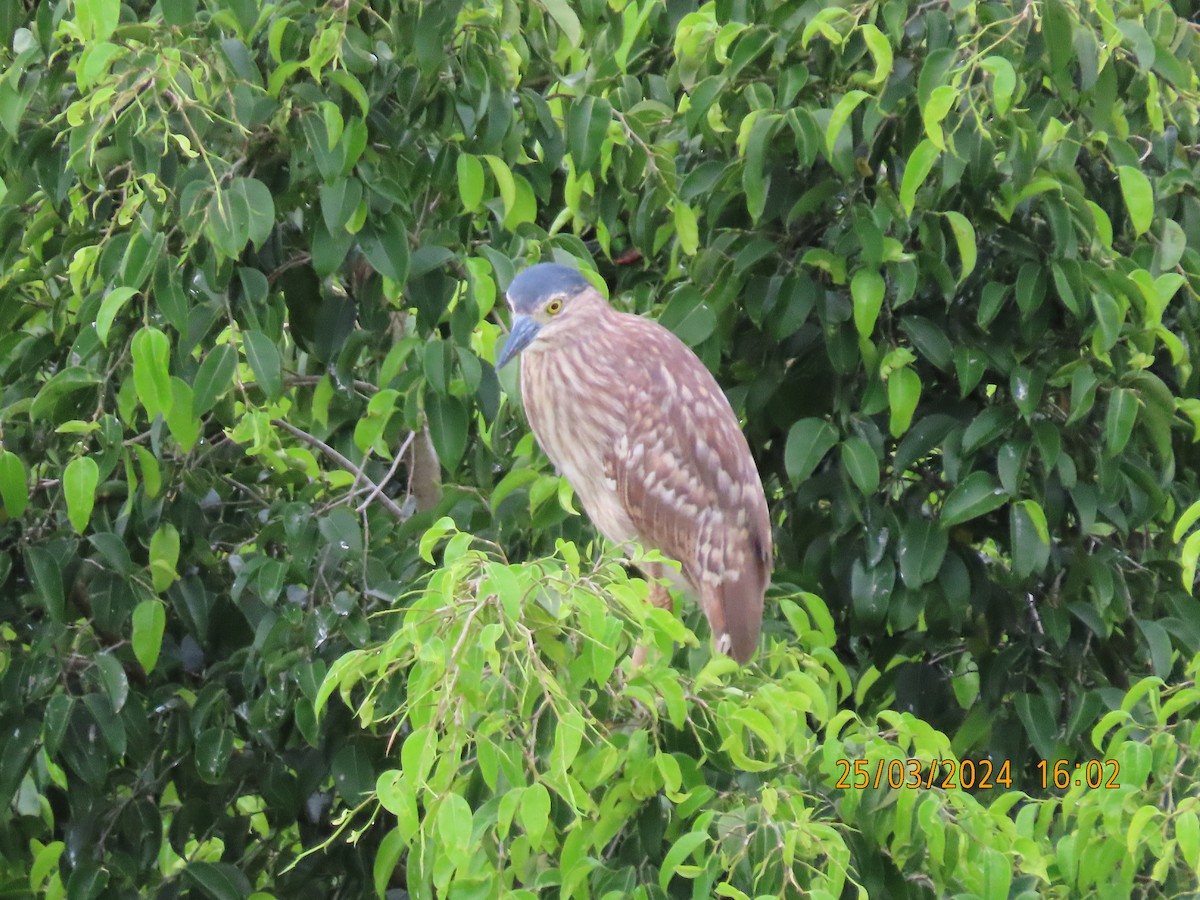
[{"x": 388, "y": 503}]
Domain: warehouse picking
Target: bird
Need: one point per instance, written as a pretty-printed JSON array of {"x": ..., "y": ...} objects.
[{"x": 648, "y": 440}]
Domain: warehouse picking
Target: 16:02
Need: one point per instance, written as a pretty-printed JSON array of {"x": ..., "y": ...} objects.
[{"x": 1095, "y": 773}]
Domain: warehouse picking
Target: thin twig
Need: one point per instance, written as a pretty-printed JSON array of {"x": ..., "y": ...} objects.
[
  {"x": 301, "y": 380},
  {"x": 388, "y": 503},
  {"x": 377, "y": 489},
  {"x": 1033, "y": 613}
]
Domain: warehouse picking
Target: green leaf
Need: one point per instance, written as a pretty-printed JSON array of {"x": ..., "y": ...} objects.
[
  {"x": 1120, "y": 419},
  {"x": 1027, "y": 524},
  {"x": 88, "y": 880},
  {"x": 447, "y": 417},
  {"x": 44, "y": 863},
  {"x": 904, "y": 392},
  {"x": 61, "y": 385},
  {"x": 1039, "y": 723},
  {"x": 1110, "y": 315},
  {"x": 220, "y": 881},
  {"x": 454, "y": 823},
  {"x": 351, "y": 86},
  {"x": 859, "y": 460},
  {"x": 470, "y": 180},
  {"x": 1172, "y": 245},
  {"x": 680, "y": 850},
  {"x": 386, "y": 248},
  {"x": 112, "y": 675},
  {"x": 184, "y": 425},
  {"x": 687, "y": 231},
  {"x": 1037, "y": 517},
  {"x": 566, "y": 20},
  {"x": 840, "y": 115},
  {"x": 113, "y": 301},
  {"x": 433, "y": 536},
  {"x": 964, "y": 237},
  {"x": 79, "y": 481},
  {"x": 151, "y": 351},
  {"x": 976, "y": 495},
  {"x": 987, "y": 427},
  {"x": 1004, "y": 81},
  {"x": 149, "y": 622},
  {"x": 866, "y": 290},
  {"x": 1056, "y": 26},
  {"x": 689, "y": 317},
  {"x": 97, "y": 19},
  {"x": 587, "y": 128},
  {"x": 114, "y": 552},
  {"x": 239, "y": 212},
  {"x": 1187, "y": 835},
  {"x": 14, "y": 484},
  {"x": 922, "y": 548},
  {"x": 264, "y": 359},
  {"x": 935, "y": 110},
  {"x": 881, "y": 52},
  {"x": 920, "y": 164},
  {"x": 534, "y": 813},
  {"x": 339, "y": 203},
  {"x": 1189, "y": 518},
  {"x": 45, "y": 572},
  {"x": 754, "y": 169},
  {"x": 808, "y": 441},
  {"x": 387, "y": 858},
  {"x": 213, "y": 378},
  {"x": 151, "y": 471},
  {"x": 164, "y": 555},
  {"x": 1139, "y": 198}
]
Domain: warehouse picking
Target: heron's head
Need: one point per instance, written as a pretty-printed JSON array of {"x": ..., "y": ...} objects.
[{"x": 538, "y": 296}]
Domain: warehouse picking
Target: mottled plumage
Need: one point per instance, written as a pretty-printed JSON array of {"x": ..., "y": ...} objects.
[{"x": 644, "y": 434}]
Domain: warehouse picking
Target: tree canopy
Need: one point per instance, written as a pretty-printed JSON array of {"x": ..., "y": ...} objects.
[{"x": 291, "y": 604}]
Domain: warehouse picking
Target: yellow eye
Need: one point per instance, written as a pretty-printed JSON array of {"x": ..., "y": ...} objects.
[{"x": 554, "y": 306}]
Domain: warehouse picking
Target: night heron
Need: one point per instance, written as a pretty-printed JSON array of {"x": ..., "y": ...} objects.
[{"x": 650, "y": 444}]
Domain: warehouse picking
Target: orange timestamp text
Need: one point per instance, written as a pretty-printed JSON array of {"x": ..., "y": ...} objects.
[
  {"x": 966, "y": 774},
  {"x": 1094, "y": 773},
  {"x": 949, "y": 774}
]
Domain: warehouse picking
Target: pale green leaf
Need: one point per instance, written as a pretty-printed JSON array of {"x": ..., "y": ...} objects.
[
  {"x": 79, "y": 482},
  {"x": 1139, "y": 197},
  {"x": 920, "y": 164},
  {"x": 149, "y": 622}
]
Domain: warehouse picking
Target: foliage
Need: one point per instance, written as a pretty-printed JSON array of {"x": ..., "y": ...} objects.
[
  {"x": 527, "y": 763},
  {"x": 944, "y": 261}
]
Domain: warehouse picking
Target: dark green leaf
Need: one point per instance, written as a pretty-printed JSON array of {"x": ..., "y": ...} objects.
[
  {"x": 447, "y": 418},
  {"x": 976, "y": 495},
  {"x": 46, "y": 574},
  {"x": 1030, "y": 543},
  {"x": 386, "y": 248},
  {"x": 1119, "y": 420},
  {"x": 921, "y": 550},
  {"x": 213, "y": 378},
  {"x": 214, "y": 748},
  {"x": 14, "y": 484},
  {"x": 807, "y": 443},
  {"x": 149, "y": 623},
  {"x": 859, "y": 460},
  {"x": 264, "y": 359},
  {"x": 339, "y": 202},
  {"x": 1039, "y": 724},
  {"x": 219, "y": 881}
]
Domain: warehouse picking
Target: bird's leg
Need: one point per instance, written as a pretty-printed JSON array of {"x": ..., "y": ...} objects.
[{"x": 660, "y": 596}]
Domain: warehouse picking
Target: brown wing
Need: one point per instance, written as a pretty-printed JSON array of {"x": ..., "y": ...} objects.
[{"x": 684, "y": 473}]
